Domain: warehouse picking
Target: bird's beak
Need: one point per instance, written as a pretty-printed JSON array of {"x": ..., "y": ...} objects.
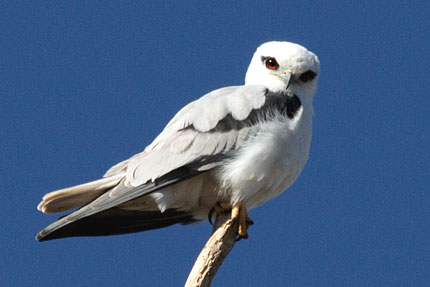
[{"x": 287, "y": 77}]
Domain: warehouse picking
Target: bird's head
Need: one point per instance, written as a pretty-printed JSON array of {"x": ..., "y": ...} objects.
[{"x": 283, "y": 65}]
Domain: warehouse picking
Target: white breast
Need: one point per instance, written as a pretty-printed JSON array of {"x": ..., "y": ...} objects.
[
  {"x": 265, "y": 165},
  {"x": 270, "y": 161}
]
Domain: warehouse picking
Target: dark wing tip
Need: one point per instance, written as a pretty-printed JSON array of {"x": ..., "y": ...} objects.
[
  {"x": 39, "y": 237},
  {"x": 116, "y": 221}
]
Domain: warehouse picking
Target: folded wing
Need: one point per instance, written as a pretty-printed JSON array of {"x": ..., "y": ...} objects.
[{"x": 200, "y": 137}]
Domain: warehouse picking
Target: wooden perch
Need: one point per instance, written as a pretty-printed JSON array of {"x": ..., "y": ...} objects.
[{"x": 215, "y": 251}]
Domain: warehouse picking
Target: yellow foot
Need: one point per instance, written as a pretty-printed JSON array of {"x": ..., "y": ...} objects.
[
  {"x": 220, "y": 207},
  {"x": 239, "y": 212}
]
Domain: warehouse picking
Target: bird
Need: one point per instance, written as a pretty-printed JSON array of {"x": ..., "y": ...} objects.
[{"x": 232, "y": 149}]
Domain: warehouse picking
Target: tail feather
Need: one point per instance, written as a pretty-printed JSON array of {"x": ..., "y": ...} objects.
[
  {"x": 116, "y": 221},
  {"x": 76, "y": 196}
]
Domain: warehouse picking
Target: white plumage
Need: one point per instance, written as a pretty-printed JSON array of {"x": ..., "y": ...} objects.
[{"x": 239, "y": 145}]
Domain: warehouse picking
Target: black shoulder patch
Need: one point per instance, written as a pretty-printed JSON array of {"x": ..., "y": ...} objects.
[
  {"x": 293, "y": 105},
  {"x": 287, "y": 103}
]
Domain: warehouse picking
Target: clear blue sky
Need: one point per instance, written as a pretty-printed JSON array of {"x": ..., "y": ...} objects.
[{"x": 85, "y": 85}]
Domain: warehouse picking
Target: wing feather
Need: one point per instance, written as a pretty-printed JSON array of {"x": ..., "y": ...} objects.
[
  {"x": 199, "y": 137},
  {"x": 205, "y": 127}
]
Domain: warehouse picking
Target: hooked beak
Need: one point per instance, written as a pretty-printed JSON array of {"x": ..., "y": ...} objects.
[{"x": 287, "y": 78}]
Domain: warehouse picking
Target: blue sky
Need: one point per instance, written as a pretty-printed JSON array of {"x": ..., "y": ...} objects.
[{"x": 85, "y": 85}]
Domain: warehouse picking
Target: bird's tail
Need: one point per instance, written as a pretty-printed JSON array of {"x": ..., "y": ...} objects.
[
  {"x": 76, "y": 196},
  {"x": 115, "y": 221}
]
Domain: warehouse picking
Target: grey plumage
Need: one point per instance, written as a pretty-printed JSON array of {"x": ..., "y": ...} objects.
[
  {"x": 241, "y": 145},
  {"x": 192, "y": 143}
]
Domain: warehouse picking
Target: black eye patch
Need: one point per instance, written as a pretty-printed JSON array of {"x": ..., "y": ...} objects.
[{"x": 307, "y": 76}]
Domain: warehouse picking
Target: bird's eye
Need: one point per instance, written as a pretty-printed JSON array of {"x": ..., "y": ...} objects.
[
  {"x": 271, "y": 63},
  {"x": 307, "y": 76}
]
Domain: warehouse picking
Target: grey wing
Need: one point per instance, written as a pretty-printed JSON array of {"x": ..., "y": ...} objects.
[
  {"x": 198, "y": 138},
  {"x": 206, "y": 126}
]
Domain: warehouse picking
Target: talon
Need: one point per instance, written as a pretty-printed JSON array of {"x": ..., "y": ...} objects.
[
  {"x": 220, "y": 207},
  {"x": 211, "y": 212},
  {"x": 249, "y": 222},
  {"x": 239, "y": 238},
  {"x": 240, "y": 213}
]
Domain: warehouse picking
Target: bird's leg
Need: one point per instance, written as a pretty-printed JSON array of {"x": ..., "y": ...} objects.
[{"x": 239, "y": 212}]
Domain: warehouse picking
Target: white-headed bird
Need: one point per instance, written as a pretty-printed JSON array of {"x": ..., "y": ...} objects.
[{"x": 234, "y": 148}]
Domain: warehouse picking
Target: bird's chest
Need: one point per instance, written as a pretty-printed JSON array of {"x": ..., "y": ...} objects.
[{"x": 269, "y": 161}]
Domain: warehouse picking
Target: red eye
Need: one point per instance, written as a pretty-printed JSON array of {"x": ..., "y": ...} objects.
[{"x": 271, "y": 63}]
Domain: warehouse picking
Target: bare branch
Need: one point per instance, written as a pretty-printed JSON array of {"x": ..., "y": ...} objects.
[{"x": 215, "y": 251}]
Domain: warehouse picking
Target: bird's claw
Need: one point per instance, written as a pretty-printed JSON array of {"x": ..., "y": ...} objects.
[
  {"x": 238, "y": 213},
  {"x": 219, "y": 208}
]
